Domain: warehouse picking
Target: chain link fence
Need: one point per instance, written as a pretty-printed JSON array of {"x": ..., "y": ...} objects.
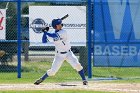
[
  {"x": 8, "y": 39},
  {"x": 106, "y": 35},
  {"x": 36, "y": 57},
  {"x": 116, "y": 45}
]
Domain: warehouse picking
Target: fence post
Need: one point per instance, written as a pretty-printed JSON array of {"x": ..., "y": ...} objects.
[
  {"x": 89, "y": 40},
  {"x": 19, "y": 38}
]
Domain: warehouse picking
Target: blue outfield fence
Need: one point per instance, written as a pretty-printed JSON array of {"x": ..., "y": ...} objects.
[{"x": 116, "y": 33}]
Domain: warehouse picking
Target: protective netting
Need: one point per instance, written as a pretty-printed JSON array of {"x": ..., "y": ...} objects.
[
  {"x": 38, "y": 57},
  {"x": 8, "y": 39}
]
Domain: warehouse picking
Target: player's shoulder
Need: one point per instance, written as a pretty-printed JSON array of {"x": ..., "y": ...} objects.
[{"x": 62, "y": 31}]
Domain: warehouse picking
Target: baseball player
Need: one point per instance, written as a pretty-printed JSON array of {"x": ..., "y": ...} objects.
[{"x": 63, "y": 52}]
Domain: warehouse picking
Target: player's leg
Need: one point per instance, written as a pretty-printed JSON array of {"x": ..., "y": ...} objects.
[
  {"x": 58, "y": 60},
  {"x": 72, "y": 59}
]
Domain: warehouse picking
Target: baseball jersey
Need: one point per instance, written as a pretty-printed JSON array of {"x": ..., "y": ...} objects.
[{"x": 61, "y": 40}]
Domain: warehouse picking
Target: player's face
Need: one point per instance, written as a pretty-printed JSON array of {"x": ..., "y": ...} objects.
[{"x": 59, "y": 27}]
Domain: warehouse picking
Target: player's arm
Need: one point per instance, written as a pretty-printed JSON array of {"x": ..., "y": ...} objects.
[
  {"x": 44, "y": 38},
  {"x": 53, "y": 35}
]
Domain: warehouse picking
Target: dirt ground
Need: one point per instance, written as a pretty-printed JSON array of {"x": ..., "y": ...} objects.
[{"x": 96, "y": 86}]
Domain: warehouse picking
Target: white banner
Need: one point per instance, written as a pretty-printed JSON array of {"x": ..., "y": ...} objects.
[
  {"x": 2, "y": 23},
  {"x": 75, "y": 24}
]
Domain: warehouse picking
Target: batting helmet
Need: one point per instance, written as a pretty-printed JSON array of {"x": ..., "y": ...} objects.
[{"x": 56, "y": 22}]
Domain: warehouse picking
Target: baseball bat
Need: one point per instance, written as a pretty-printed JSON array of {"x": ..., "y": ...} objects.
[{"x": 64, "y": 17}]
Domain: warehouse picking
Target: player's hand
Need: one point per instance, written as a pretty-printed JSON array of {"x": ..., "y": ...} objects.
[{"x": 46, "y": 29}]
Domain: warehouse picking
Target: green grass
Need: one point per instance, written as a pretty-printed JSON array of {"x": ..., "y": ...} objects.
[
  {"x": 34, "y": 70},
  {"x": 54, "y": 91},
  {"x": 116, "y": 71},
  {"x": 125, "y": 75}
]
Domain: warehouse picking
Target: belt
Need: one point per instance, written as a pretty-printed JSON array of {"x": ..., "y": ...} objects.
[{"x": 63, "y": 52}]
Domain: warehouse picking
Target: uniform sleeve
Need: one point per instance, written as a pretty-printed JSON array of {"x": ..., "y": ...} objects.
[
  {"x": 53, "y": 35},
  {"x": 63, "y": 34},
  {"x": 44, "y": 38}
]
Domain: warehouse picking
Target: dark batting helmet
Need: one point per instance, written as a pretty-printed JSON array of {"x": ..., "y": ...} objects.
[{"x": 56, "y": 22}]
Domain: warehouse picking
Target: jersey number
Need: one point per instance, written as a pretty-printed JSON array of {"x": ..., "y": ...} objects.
[{"x": 63, "y": 42}]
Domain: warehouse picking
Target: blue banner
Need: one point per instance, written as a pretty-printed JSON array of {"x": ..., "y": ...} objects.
[{"x": 116, "y": 33}]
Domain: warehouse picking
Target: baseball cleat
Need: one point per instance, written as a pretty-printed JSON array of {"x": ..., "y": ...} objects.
[
  {"x": 37, "y": 82},
  {"x": 85, "y": 82}
]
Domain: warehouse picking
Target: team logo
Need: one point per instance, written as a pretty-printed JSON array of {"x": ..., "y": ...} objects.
[{"x": 37, "y": 25}]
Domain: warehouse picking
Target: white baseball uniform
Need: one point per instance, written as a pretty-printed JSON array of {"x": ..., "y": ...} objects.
[{"x": 63, "y": 52}]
